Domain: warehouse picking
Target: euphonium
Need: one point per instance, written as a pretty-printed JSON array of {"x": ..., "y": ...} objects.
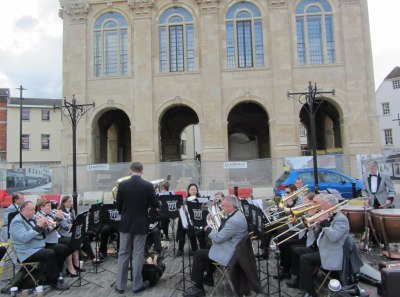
[
  {"x": 214, "y": 215},
  {"x": 311, "y": 221}
]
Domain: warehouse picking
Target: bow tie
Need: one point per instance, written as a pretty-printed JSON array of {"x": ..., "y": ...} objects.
[{"x": 373, "y": 175}]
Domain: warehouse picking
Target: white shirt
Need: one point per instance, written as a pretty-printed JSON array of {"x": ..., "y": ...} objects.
[{"x": 374, "y": 184}]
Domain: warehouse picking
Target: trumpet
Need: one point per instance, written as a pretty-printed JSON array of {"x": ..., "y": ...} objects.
[
  {"x": 49, "y": 223},
  {"x": 65, "y": 216}
]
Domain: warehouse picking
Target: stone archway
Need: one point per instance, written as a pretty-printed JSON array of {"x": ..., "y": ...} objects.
[
  {"x": 172, "y": 123},
  {"x": 327, "y": 123},
  {"x": 248, "y": 132},
  {"x": 113, "y": 137}
]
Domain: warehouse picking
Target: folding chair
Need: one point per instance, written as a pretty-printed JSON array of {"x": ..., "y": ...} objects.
[{"x": 225, "y": 274}]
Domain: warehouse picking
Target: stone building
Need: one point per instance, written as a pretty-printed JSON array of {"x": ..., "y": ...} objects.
[{"x": 154, "y": 67}]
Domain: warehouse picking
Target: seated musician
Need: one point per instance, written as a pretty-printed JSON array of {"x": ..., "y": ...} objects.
[
  {"x": 164, "y": 190},
  {"x": 64, "y": 230},
  {"x": 378, "y": 187},
  {"x": 232, "y": 230},
  {"x": 107, "y": 231},
  {"x": 299, "y": 240},
  {"x": 16, "y": 200},
  {"x": 28, "y": 237},
  {"x": 43, "y": 207},
  {"x": 154, "y": 235},
  {"x": 327, "y": 250},
  {"x": 289, "y": 203}
]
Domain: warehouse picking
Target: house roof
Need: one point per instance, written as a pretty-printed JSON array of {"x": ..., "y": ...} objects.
[
  {"x": 394, "y": 73},
  {"x": 35, "y": 101}
]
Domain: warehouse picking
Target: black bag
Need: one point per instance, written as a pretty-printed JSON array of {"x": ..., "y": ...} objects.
[
  {"x": 23, "y": 281},
  {"x": 152, "y": 272}
]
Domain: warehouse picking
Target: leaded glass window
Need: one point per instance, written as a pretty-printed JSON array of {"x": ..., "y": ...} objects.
[
  {"x": 244, "y": 36},
  {"x": 176, "y": 40},
  {"x": 315, "y": 32},
  {"x": 110, "y": 45}
]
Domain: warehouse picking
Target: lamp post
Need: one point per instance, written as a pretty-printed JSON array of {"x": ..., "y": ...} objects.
[
  {"x": 312, "y": 100},
  {"x": 21, "y": 89},
  {"x": 74, "y": 112}
]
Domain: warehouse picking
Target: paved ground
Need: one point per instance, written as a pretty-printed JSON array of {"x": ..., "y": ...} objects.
[{"x": 99, "y": 284}]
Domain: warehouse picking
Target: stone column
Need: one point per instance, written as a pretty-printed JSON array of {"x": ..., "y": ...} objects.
[
  {"x": 142, "y": 139},
  {"x": 75, "y": 37},
  {"x": 284, "y": 137},
  {"x": 212, "y": 129}
]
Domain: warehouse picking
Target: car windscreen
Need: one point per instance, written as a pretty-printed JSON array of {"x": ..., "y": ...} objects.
[{"x": 283, "y": 177}]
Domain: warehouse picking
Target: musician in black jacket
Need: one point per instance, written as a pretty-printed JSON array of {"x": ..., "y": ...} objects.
[{"x": 134, "y": 197}]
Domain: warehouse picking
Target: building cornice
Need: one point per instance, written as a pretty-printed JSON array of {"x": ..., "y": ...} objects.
[
  {"x": 278, "y": 3},
  {"x": 349, "y": 1}
]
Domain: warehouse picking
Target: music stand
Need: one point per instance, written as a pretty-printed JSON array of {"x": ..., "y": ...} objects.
[
  {"x": 95, "y": 224},
  {"x": 78, "y": 230},
  {"x": 170, "y": 205}
]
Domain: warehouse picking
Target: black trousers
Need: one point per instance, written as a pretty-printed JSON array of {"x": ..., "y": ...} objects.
[
  {"x": 201, "y": 263},
  {"x": 296, "y": 252},
  {"x": 181, "y": 237},
  {"x": 285, "y": 249},
  {"x": 105, "y": 233},
  {"x": 165, "y": 226},
  {"x": 154, "y": 236},
  {"x": 86, "y": 246},
  {"x": 307, "y": 264},
  {"x": 52, "y": 259}
]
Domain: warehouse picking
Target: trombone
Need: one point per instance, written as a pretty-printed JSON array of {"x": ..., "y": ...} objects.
[
  {"x": 295, "y": 212},
  {"x": 312, "y": 221}
]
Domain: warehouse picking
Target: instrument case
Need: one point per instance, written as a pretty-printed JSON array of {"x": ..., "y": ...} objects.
[
  {"x": 390, "y": 281},
  {"x": 388, "y": 264}
]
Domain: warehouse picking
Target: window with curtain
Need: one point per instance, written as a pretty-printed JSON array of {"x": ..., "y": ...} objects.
[
  {"x": 244, "y": 36},
  {"x": 315, "y": 32},
  {"x": 176, "y": 40},
  {"x": 110, "y": 45}
]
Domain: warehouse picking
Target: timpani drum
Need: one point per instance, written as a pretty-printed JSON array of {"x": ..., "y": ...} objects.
[
  {"x": 386, "y": 223},
  {"x": 356, "y": 217}
]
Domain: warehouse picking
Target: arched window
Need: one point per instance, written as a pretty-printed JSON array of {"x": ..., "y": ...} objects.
[
  {"x": 244, "y": 36},
  {"x": 110, "y": 45},
  {"x": 176, "y": 40},
  {"x": 315, "y": 38}
]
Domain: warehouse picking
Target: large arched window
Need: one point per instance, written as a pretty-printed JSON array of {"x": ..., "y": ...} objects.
[
  {"x": 244, "y": 36},
  {"x": 315, "y": 38},
  {"x": 176, "y": 40},
  {"x": 110, "y": 45}
]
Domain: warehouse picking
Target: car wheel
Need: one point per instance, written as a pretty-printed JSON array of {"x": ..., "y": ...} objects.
[{"x": 358, "y": 194}]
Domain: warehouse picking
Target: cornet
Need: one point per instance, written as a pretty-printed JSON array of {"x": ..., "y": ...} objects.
[
  {"x": 49, "y": 224},
  {"x": 65, "y": 216}
]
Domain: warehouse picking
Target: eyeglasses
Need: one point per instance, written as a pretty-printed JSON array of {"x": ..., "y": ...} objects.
[{"x": 288, "y": 192}]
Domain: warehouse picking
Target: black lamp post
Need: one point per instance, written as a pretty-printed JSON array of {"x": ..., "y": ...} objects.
[
  {"x": 312, "y": 99},
  {"x": 21, "y": 89},
  {"x": 74, "y": 112}
]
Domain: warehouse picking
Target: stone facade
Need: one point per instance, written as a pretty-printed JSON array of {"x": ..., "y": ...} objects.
[{"x": 212, "y": 91}]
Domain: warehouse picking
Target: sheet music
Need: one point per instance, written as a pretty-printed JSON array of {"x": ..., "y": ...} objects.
[{"x": 182, "y": 214}]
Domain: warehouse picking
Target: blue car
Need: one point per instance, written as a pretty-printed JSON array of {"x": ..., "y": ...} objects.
[{"x": 327, "y": 179}]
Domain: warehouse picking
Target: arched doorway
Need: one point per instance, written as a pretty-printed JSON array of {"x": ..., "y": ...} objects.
[
  {"x": 173, "y": 122},
  {"x": 327, "y": 123},
  {"x": 113, "y": 137},
  {"x": 248, "y": 132}
]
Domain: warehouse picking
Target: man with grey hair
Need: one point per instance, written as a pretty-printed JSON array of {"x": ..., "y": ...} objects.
[
  {"x": 378, "y": 187},
  {"x": 328, "y": 247},
  {"x": 224, "y": 240}
]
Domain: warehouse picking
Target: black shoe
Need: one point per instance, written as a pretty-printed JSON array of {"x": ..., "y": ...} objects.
[
  {"x": 145, "y": 286},
  {"x": 102, "y": 256},
  {"x": 96, "y": 261},
  {"x": 263, "y": 255},
  {"x": 79, "y": 269},
  {"x": 282, "y": 276},
  {"x": 208, "y": 281},
  {"x": 293, "y": 282},
  {"x": 70, "y": 273},
  {"x": 194, "y": 292},
  {"x": 179, "y": 253},
  {"x": 118, "y": 291},
  {"x": 59, "y": 286}
]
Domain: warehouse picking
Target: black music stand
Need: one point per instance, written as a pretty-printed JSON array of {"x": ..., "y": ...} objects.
[
  {"x": 78, "y": 230},
  {"x": 170, "y": 205},
  {"x": 94, "y": 225}
]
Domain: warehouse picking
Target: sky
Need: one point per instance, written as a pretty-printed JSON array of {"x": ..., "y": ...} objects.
[{"x": 31, "y": 45}]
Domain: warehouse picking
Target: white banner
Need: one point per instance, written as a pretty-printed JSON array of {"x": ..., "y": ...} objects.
[
  {"x": 97, "y": 167},
  {"x": 235, "y": 165}
]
